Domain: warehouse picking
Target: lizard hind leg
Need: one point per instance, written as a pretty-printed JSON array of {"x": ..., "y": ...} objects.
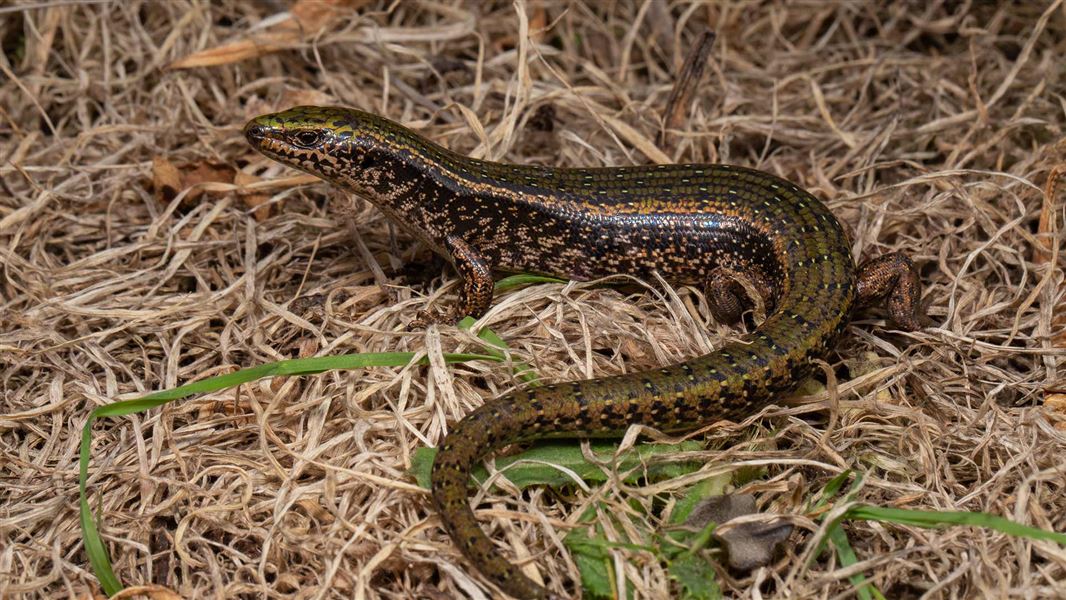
[
  {"x": 730, "y": 294},
  {"x": 892, "y": 277}
]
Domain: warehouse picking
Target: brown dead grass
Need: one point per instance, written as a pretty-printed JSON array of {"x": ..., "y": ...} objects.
[{"x": 928, "y": 126}]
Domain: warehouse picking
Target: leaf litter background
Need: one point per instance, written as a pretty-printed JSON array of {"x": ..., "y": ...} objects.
[{"x": 144, "y": 245}]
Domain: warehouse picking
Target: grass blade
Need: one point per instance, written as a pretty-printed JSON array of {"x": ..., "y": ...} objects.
[
  {"x": 933, "y": 518},
  {"x": 847, "y": 557},
  {"x": 524, "y": 279},
  {"x": 94, "y": 544}
]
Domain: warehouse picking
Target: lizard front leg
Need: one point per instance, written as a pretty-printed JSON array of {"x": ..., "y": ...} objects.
[
  {"x": 475, "y": 273},
  {"x": 475, "y": 285},
  {"x": 475, "y": 281}
]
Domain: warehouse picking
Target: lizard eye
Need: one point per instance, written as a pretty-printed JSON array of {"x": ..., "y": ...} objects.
[{"x": 306, "y": 138}]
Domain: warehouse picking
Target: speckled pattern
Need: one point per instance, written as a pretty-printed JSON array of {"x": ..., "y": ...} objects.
[{"x": 695, "y": 224}]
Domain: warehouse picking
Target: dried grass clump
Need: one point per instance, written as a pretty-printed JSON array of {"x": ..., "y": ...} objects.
[{"x": 930, "y": 127}]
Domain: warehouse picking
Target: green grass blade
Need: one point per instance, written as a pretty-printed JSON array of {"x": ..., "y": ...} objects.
[
  {"x": 933, "y": 518},
  {"x": 94, "y": 544},
  {"x": 295, "y": 366},
  {"x": 524, "y": 279},
  {"x": 847, "y": 557},
  {"x": 836, "y": 537},
  {"x": 520, "y": 370},
  {"x": 829, "y": 490}
]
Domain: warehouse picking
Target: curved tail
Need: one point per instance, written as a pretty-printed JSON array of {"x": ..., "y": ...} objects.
[
  {"x": 469, "y": 442},
  {"x": 821, "y": 288},
  {"x": 719, "y": 385}
]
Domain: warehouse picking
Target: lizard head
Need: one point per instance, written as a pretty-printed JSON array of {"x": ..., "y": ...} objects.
[
  {"x": 356, "y": 150},
  {"x": 324, "y": 141}
]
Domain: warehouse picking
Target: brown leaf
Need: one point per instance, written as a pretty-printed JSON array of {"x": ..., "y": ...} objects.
[
  {"x": 166, "y": 179},
  {"x": 1055, "y": 405},
  {"x": 748, "y": 544},
  {"x": 305, "y": 97},
  {"x": 633, "y": 350},
  {"x": 313, "y": 15},
  {"x": 306, "y": 20},
  {"x": 308, "y": 347},
  {"x": 263, "y": 43},
  {"x": 538, "y": 23},
  {"x": 169, "y": 180},
  {"x": 315, "y": 509},
  {"x": 205, "y": 172},
  {"x": 254, "y": 200},
  {"x": 752, "y": 544},
  {"x": 1043, "y": 250},
  {"x": 688, "y": 80},
  {"x": 1045, "y": 228},
  {"x": 193, "y": 176}
]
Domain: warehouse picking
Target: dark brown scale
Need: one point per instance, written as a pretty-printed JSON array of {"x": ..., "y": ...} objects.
[{"x": 695, "y": 224}]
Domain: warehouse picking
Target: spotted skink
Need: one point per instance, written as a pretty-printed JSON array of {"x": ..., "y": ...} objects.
[{"x": 702, "y": 224}]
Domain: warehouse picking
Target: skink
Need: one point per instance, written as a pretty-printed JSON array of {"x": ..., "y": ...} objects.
[{"x": 708, "y": 225}]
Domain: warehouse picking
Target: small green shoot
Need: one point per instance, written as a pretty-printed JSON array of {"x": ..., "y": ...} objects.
[
  {"x": 679, "y": 546},
  {"x": 592, "y": 555}
]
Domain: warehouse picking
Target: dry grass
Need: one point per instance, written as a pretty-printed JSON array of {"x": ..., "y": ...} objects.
[{"x": 929, "y": 126}]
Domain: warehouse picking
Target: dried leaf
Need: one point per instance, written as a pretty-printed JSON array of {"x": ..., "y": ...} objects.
[
  {"x": 316, "y": 14},
  {"x": 306, "y": 19},
  {"x": 264, "y": 43},
  {"x": 169, "y": 180},
  {"x": 538, "y": 23},
  {"x": 255, "y": 201},
  {"x": 205, "y": 172},
  {"x": 1046, "y": 227},
  {"x": 719, "y": 509},
  {"x": 748, "y": 544},
  {"x": 305, "y": 97},
  {"x": 166, "y": 179},
  {"x": 314, "y": 508},
  {"x": 752, "y": 544},
  {"x": 1055, "y": 405},
  {"x": 686, "y": 84}
]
